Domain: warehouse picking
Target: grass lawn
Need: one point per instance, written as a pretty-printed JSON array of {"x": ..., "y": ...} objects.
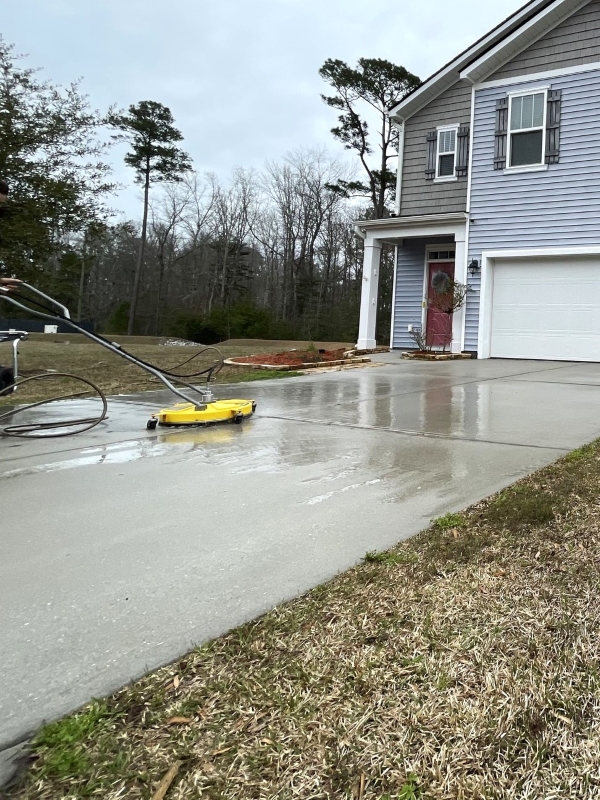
[
  {"x": 464, "y": 663},
  {"x": 112, "y": 373}
]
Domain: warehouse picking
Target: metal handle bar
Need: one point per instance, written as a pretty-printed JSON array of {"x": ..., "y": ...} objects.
[{"x": 115, "y": 348}]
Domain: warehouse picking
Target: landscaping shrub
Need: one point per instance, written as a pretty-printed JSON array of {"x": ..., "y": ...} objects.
[{"x": 117, "y": 322}]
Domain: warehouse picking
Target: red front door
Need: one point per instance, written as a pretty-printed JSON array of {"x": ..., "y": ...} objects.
[{"x": 439, "y": 324}]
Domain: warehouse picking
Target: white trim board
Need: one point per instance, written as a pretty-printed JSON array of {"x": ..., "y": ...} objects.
[
  {"x": 414, "y": 232},
  {"x": 544, "y": 252},
  {"x": 394, "y": 297},
  {"x": 538, "y": 76},
  {"x": 400, "y": 166},
  {"x": 486, "y": 297},
  {"x": 470, "y": 169}
]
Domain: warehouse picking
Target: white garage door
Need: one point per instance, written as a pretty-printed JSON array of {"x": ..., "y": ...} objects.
[{"x": 546, "y": 308}]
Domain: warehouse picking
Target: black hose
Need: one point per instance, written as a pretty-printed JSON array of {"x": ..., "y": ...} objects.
[
  {"x": 210, "y": 372},
  {"x": 45, "y": 429},
  {"x": 39, "y": 430}
]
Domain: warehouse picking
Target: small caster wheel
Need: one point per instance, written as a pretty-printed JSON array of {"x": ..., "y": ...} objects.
[
  {"x": 151, "y": 424},
  {"x": 239, "y": 419}
]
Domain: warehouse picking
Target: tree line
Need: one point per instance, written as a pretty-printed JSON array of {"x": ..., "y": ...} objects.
[{"x": 265, "y": 254}]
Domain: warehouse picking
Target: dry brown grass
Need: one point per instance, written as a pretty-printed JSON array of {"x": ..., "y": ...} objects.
[
  {"x": 463, "y": 664},
  {"x": 112, "y": 373}
]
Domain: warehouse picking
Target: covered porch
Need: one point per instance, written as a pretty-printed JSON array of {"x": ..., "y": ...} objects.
[{"x": 416, "y": 239}]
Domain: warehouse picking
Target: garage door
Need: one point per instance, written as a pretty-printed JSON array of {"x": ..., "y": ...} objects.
[{"x": 546, "y": 308}]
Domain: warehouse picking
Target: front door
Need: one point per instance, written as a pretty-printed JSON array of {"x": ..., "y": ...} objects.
[{"x": 439, "y": 324}]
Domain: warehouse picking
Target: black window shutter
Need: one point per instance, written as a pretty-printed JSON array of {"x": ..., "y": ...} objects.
[
  {"x": 500, "y": 133},
  {"x": 462, "y": 151},
  {"x": 553, "y": 127},
  {"x": 431, "y": 155}
]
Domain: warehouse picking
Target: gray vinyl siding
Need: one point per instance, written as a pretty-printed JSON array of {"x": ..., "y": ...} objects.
[
  {"x": 420, "y": 196},
  {"x": 575, "y": 41},
  {"x": 556, "y": 208},
  {"x": 410, "y": 276}
]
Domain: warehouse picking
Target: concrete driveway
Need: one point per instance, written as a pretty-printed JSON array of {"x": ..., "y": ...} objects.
[{"x": 121, "y": 549}]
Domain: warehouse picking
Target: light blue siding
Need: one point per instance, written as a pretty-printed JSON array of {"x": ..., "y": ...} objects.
[
  {"x": 410, "y": 271},
  {"x": 554, "y": 208}
]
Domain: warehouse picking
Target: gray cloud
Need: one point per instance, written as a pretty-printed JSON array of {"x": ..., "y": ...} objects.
[{"x": 241, "y": 76}]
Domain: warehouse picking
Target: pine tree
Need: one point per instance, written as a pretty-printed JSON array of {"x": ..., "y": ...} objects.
[
  {"x": 149, "y": 129},
  {"x": 378, "y": 85}
]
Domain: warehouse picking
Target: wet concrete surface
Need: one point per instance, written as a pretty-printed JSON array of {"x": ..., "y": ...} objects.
[{"x": 120, "y": 549}]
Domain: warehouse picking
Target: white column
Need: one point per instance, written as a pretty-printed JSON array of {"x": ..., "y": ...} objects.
[
  {"x": 368, "y": 299},
  {"x": 460, "y": 276}
]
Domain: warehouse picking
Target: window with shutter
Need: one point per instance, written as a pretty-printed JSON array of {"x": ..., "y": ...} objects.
[
  {"x": 431, "y": 155},
  {"x": 446, "y": 153},
  {"x": 553, "y": 126},
  {"x": 462, "y": 154},
  {"x": 441, "y": 154},
  {"x": 501, "y": 133},
  {"x": 526, "y": 129}
]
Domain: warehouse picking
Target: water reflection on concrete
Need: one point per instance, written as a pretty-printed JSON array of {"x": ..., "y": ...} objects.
[{"x": 492, "y": 401}]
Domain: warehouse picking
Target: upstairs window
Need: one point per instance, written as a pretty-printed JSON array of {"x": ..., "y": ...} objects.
[
  {"x": 527, "y": 114},
  {"x": 446, "y": 153}
]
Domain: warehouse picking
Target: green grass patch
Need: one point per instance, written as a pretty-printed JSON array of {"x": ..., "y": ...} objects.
[
  {"x": 261, "y": 375},
  {"x": 390, "y": 558},
  {"x": 580, "y": 454},
  {"x": 524, "y": 506},
  {"x": 449, "y": 521},
  {"x": 410, "y": 790},
  {"x": 63, "y": 743}
]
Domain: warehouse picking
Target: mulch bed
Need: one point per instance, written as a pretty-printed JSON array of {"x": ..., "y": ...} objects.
[
  {"x": 293, "y": 358},
  {"x": 429, "y": 355}
]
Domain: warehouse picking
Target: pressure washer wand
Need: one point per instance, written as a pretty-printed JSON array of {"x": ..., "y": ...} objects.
[{"x": 64, "y": 316}]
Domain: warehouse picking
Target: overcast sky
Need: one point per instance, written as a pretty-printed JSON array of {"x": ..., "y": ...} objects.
[{"x": 240, "y": 76}]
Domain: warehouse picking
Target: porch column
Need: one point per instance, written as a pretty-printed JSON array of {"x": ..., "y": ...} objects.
[
  {"x": 460, "y": 276},
  {"x": 368, "y": 298}
]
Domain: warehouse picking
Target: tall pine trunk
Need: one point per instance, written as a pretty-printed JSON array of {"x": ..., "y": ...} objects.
[{"x": 140, "y": 262}]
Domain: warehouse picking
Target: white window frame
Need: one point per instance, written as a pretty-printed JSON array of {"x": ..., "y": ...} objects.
[
  {"x": 445, "y": 178},
  {"x": 541, "y": 166}
]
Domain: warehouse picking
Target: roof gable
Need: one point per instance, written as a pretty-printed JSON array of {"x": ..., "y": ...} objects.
[
  {"x": 576, "y": 41},
  {"x": 488, "y": 54}
]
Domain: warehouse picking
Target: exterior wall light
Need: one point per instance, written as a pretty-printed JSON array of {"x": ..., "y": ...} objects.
[{"x": 474, "y": 267}]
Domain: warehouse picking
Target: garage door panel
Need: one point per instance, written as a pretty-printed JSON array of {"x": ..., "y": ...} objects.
[{"x": 546, "y": 310}]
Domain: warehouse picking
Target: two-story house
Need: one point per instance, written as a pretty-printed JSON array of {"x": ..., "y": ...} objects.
[{"x": 499, "y": 186}]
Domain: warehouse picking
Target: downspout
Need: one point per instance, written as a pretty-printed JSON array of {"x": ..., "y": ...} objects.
[
  {"x": 468, "y": 209},
  {"x": 400, "y": 169}
]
